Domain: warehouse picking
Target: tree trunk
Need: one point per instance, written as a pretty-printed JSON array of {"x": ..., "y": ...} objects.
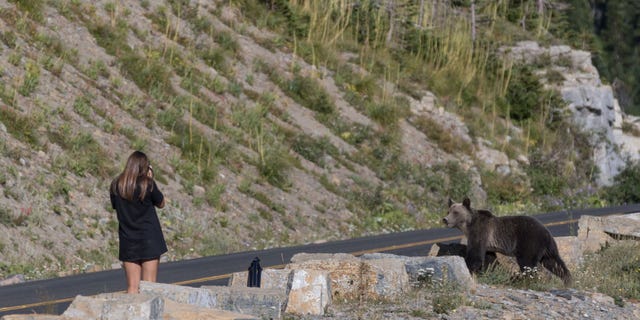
[
  {"x": 540, "y": 7},
  {"x": 473, "y": 21},
  {"x": 421, "y": 15},
  {"x": 391, "y": 7}
]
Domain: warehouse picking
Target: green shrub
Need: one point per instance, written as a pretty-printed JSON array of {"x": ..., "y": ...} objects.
[
  {"x": 213, "y": 196},
  {"x": 9, "y": 38},
  {"x": 56, "y": 47},
  {"x": 630, "y": 129},
  {"x": 61, "y": 188},
  {"x": 451, "y": 179},
  {"x": 310, "y": 94},
  {"x": 446, "y": 140},
  {"x": 279, "y": 14},
  {"x": 97, "y": 69},
  {"x": 446, "y": 297},
  {"x": 6, "y": 218},
  {"x": 533, "y": 279},
  {"x": 313, "y": 149},
  {"x": 546, "y": 176},
  {"x": 171, "y": 118},
  {"x": 387, "y": 113},
  {"x": 84, "y": 156},
  {"x": 33, "y": 8},
  {"x": 30, "y": 80},
  {"x": 52, "y": 64},
  {"x": 273, "y": 165},
  {"x": 560, "y": 174},
  {"x": 614, "y": 271},
  {"x": 524, "y": 93},
  {"x": 625, "y": 185},
  {"x": 215, "y": 58},
  {"x": 149, "y": 73},
  {"x": 88, "y": 157},
  {"x": 227, "y": 42},
  {"x": 504, "y": 189},
  {"x": 112, "y": 39},
  {"x": 198, "y": 151},
  {"x": 387, "y": 217},
  {"x": 82, "y": 106},
  {"x": 352, "y": 132},
  {"x": 21, "y": 127}
]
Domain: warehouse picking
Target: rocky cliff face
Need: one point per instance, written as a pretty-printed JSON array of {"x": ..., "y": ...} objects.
[{"x": 592, "y": 105}]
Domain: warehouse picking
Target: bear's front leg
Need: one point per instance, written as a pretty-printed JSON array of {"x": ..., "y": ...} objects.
[{"x": 475, "y": 256}]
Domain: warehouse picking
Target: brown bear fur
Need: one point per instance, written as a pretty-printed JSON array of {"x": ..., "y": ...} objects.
[{"x": 522, "y": 237}]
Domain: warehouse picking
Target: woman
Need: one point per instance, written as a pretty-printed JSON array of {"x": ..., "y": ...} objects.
[{"x": 134, "y": 195}]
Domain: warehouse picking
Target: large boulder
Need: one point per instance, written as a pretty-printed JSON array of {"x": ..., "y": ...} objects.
[
  {"x": 353, "y": 278},
  {"x": 591, "y": 235},
  {"x": 193, "y": 296},
  {"x": 258, "y": 302},
  {"x": 181, "y": 311},
  {"x": 31, "y": 317},
  {"x": 420, "y": 270},
  {"x": 570, "y": 251},
  {"x": 310, "y": 293},
  {"x": 269, "y": 279},
  {"x": 115, "y": 306},
  {"x": 623, "y": 226},
  {"x": 123, "y": 306}
]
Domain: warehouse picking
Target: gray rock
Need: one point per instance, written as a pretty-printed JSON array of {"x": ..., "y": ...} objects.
[
  {"x": 270, "y": 279},
  {"x": 592, "y": 106},
  {"x": 182, "y": 294},
  {"x": 310, "y": 293},
  {"x": 259, "y": 302},
  {"x": 423, "y": 270},
  {"x": 623, "y": 226},
  {"x": 116, "y": 306},
  {"x": 31, "y": 317},
  {"x": 14, "y": 279}
]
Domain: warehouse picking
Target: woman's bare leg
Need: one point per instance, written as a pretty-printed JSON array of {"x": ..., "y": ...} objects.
[
  {"x": 150, "y": 270},
  {"x": 133, "y": 270}
]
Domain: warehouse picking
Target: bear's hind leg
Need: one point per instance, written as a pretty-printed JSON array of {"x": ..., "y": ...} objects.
[
  {"x": 526, "y": 262},
  {"x": 528, "y": 266}
]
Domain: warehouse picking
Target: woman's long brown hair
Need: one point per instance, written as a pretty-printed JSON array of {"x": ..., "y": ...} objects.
[{"x": 135, "y": 172}]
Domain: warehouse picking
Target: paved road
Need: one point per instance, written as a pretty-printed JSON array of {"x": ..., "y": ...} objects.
[{"x": 54, "y": 295}]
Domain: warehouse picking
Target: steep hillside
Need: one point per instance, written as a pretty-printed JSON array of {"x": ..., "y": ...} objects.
[{"x": 269, "y": 123}]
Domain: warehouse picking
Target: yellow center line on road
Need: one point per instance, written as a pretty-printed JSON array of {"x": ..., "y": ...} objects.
[
  {"x": 228, "y": 275},
  {"x": 37, "y": 304}
]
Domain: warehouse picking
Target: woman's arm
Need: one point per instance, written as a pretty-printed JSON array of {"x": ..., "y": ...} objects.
[
  {"x": 157, "y": 198},
  {"x": 161, "y": 204}
]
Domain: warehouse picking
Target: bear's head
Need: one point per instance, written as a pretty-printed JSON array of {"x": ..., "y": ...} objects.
[{"x": 459, "y": 214}]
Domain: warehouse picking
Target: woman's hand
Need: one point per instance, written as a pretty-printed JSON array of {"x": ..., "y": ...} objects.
[{"x": 150, "y": 172}]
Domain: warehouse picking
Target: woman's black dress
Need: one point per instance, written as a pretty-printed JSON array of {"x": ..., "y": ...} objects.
[{"x": 139, "y": 228}]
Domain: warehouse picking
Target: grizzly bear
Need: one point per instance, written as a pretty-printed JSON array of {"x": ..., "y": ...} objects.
[{"x": 522, "y": 237}]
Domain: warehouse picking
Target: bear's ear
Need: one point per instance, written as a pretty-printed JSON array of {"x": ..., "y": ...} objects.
[
  {"x": 450, "y": 202},
  {"x": 467, "y": 203}
]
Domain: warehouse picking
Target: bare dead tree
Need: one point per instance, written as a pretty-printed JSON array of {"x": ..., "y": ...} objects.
[
  {"x": 473, "y": 21},
  {"x": 391, "y": 8},
  {"x": 540, "y": 7},
  {"x": 421, "y": 14}
]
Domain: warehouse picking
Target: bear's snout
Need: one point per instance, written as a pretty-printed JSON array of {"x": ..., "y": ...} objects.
[{"x": 444, "y": 220}]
